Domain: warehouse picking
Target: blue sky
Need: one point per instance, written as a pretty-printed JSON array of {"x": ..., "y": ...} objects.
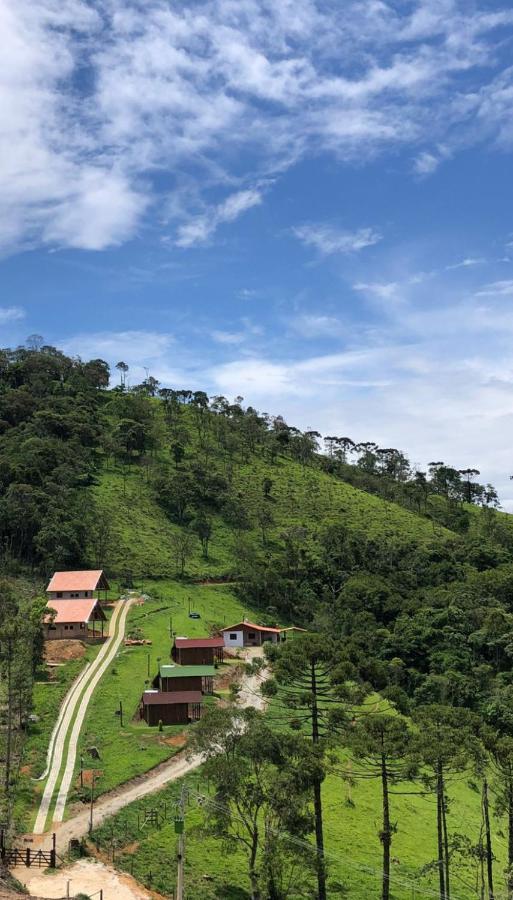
[{"x": 305, "y": 203}]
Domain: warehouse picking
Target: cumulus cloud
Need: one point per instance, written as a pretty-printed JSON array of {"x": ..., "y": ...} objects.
[
  {"x": 327, "y": 239},
  {"x": 99, "y": 100}
]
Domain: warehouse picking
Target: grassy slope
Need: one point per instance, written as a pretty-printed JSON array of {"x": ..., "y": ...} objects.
[
  {"x": 352, "y": 817},
  {"x": 306, "y": 497},
  {"x": 135, "y": 748}
]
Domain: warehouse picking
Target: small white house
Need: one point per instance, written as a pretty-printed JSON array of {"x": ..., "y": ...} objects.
[{"x": 247, "y": 634}]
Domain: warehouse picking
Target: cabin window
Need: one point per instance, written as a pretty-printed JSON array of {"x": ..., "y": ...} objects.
[
  {"x": 233, "y": 636},
  {"x": 59, "y": 593},
  {"x": 251, "y": 635},
  {"x": 52, "y": 627}
]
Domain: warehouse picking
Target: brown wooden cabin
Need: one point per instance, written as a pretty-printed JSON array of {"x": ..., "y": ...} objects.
[
  {"x": 198, "y": 651},
  {"x": 185, "y": 678},
  {"x": 170, "y": 708}
]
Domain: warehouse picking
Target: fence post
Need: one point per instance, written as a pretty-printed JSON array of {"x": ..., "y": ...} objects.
[
  {"x": 27, "y": 857},
  {"x": 53, "y": 852}
]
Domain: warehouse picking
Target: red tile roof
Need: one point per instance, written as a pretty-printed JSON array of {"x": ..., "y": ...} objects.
[
  {"x": 87, "y": 580},
  {"x": 72, "y": 610},
  {"x": 153, "y": 698},
  {"x": 253, "y": 627},
  {"x": 183, "y": 643}
]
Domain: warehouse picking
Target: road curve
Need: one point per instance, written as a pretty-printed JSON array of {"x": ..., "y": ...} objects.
[
  {"x": 147, "y": 783},
  {"x": 78, "y": 699}
]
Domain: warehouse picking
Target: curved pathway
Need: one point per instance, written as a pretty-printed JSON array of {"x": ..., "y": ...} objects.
[
  {"x": 147, "y": 783},
  {"x": 63, "y": 744}
]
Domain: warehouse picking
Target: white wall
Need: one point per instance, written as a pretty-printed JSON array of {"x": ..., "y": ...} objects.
[{"x": 237, "y": 642}]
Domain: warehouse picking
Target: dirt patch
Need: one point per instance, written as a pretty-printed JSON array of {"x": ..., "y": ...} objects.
[
  {"x": 26, "y": 770},
  {"x": 131, "y": 848},
  {"x": 87, "y": 776},
  {"x": 176, "y": 740},
  {"x": 87, "y": 876},
  {"x": 63, "y": 651},
  {"x": 223, "y": 682}
]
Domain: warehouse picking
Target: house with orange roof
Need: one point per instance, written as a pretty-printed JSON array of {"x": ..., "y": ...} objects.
[
  {"x": 83, "y": 585},
  {"x": 247, "y": 634},
  {"x": 69, "y": 619}
]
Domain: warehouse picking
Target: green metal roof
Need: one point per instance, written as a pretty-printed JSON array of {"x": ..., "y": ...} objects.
[{"x": 185, "y": 671}]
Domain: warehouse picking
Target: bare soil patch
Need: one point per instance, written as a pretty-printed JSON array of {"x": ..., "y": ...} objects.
[
  {"x": 176, "y": 740},
  {"x": 63, "y": 651},
  {"x": 87, "y": 775}
]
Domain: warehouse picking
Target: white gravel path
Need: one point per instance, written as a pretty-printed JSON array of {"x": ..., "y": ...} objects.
[{"x": 78, "y": 698}]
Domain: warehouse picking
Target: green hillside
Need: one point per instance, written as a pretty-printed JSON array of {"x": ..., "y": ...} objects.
[
  {"x": 301, "y": 498},
  {"x": 405, "y": 577}
]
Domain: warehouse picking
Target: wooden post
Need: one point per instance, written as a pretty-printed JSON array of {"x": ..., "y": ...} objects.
[
  {"x": 181, "y": 851},
  {"x": 53, "y": 852},
  {"x": 92, "y": 804},
  {"x": 27, "y": 857}
]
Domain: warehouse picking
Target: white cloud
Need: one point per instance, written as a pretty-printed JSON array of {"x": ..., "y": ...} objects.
[
  {"x": 99, "y": 100},
  {"x": 466, "y": 263},
  {"x": 497, "y": 289},
  {"x": 136, "y": 348},
  {"x": 327, "y": 239},
  {"x": 11, "y": 314},
  {"x": 201, "y": 228},
  {"x": 386, "y": 290},
  {"x": 426, "y": 163}
]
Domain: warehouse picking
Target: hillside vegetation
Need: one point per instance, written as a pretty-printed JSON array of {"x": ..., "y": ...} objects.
[{"x": 403, "y": 579}]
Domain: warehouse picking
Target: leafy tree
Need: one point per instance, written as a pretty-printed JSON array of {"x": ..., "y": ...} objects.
[
  {"x": 182, "y": 546},
  {"x": 261, "y": 781},
  {"x": 202, "y": 525},
  {"x": 383, "y": 744},
  {"x": 445, "y": 744},
  {"x": 313, "y": 703}
]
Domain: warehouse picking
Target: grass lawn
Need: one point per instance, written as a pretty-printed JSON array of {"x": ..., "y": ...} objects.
[
  {"x": 353, "y": 850},
  {"x": 134, "y": 748}
]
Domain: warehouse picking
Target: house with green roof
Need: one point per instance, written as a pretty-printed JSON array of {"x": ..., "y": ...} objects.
[{"x": 185, "y": 678}]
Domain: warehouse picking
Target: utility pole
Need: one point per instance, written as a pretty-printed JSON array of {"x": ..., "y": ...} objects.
[
  {"x": 180, "y": 824},
  {"x": 92, "y": 802}
]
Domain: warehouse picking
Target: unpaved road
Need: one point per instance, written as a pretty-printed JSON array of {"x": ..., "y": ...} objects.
[
  {"x": 63, "y": 743},
  {"x": 86, "y": 876},
  {"x": 176, "y": 767}
]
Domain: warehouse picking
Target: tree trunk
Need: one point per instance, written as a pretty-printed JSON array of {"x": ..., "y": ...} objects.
[
  {"x": 253, "y": 876},
  {"x": 489, "y": 854},
  {"x": 510, "y": 837},
  {"x": 446, "y": 837},
  {"x": 8, "y": 750},
  {"x": 319, "y": 834},
  {"x": 439, "y": 831},
  {"x": 386, "y": 834}
]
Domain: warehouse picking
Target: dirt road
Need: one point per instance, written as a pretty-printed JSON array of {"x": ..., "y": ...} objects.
[
  {"x": 109, "y": 804},
  {"x": 63, "y": 744},
  {"x": 86, "y": 876}
]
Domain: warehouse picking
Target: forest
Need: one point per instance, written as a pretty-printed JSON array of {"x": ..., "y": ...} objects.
[{"x": 402, "y": 579}]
